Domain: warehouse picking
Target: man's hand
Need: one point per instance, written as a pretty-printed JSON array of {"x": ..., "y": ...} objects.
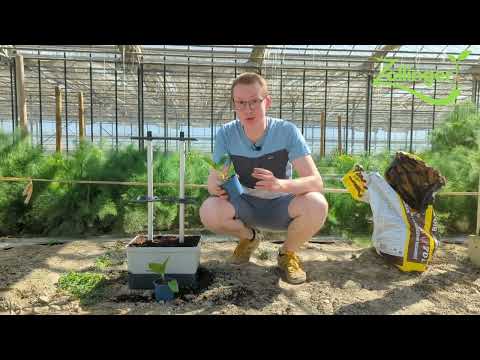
[
  {"x": 214, "y": 180},
  {"x": 268, "y": 181}
]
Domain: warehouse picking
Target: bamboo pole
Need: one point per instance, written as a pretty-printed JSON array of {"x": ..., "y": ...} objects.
[
  {"x": 58, "y": 119},
  {"x": 21, "y": 96},
  {"x": 322, "y": 135},
  {"x": 339, "y": 123},
  {"x": 81, "y": 116}
]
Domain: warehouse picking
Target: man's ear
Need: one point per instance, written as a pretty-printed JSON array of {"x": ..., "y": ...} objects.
[{"x": 268, "y": 102}]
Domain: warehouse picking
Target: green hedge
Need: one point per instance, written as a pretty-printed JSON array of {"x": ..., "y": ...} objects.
[{"x": 74, "y": 209}]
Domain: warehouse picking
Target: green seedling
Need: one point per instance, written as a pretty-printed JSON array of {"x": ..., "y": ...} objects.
[
  {"x": 87, "y": 286},
  {"x": 224, "y": 167},
  {"x": 160, "y": 269}
]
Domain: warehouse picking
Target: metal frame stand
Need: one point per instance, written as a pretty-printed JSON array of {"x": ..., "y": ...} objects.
[{"x": 150, "y": 198}]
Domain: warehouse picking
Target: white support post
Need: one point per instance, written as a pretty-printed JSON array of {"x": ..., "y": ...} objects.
[
  {"x": 150, "y": 187},
  {"x": 182, "y": 190}
]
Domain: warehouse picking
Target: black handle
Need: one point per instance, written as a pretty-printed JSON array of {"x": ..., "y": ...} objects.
[
  {"x": 150, "y": 137},
  {"x": 165, "y": 199}
]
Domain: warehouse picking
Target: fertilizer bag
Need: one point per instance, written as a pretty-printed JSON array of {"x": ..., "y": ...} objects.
[{"x": 401, "y": 234}]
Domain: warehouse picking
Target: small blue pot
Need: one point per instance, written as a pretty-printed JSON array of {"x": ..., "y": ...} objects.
[
  {"x": 233, "y": 187},
  {"x": 162, "y": 291}
]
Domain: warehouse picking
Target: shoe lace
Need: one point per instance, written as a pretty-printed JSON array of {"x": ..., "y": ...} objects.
[{"x": 292, "y": 261}]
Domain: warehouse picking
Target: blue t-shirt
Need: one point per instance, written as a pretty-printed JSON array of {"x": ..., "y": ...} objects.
[{"x": 281, "y": 143}]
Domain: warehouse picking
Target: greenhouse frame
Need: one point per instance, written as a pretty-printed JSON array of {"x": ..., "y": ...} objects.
[{"x": 328, "y": 91}]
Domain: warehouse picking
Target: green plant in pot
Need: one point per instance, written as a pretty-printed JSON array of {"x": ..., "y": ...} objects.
[
  {"x": 164, "y": 290},
  {"x": 229, "y": 179}
]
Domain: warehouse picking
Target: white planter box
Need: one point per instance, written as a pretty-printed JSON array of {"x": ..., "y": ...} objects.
[
  {"x": 182, "y": 264},
  {"x": 183, "y": 260}
]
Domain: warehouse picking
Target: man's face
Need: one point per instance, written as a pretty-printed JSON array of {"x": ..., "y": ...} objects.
[{"x": 251, "y": 104}]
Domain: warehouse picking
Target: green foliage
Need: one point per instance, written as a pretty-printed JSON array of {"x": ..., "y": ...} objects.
[
  {"x": 224, "y": 166},
  {"x": 460, "y": 128},
  {"x": 57, "y": 209},
  {"x": 86, "y": 286},
  {"x": 347, "y": 216}
]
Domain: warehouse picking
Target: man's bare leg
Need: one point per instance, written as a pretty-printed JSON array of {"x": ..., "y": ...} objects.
[
  {"x": 309, "y": 213},
  {"x": 217, "y": 215}
]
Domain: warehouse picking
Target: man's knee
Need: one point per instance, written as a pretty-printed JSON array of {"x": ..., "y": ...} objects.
[
  {"x": 207, "y": 212},
  {"x": 313, "y": 206},
  {"x": 213, "y": 212}
]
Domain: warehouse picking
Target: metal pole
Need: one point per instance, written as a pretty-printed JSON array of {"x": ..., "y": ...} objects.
[
  {"x": 346, "y": 125},
  {"x": 91, "y": 99},
  {"x": 143, "y": 107},
  {"x": 164, "y": 104},
  {"x": 339, "y": 134},
  {"x": 411, "y": 120},
  {"x": 66, "y": 99},
  {"x": 139, "y": 114},
  {"x": 58, "y": 119},
  {"x": 434, "y": 96},
  {"x": 81, "y": 117},
  {"x": 181, "y": 215},
  {"x": 367, "y": 114},
  {"x": 303, "y": 102},
  {"x": 116, "y": 105},
  {"x": 150, "y": 184},
  {"x": 371, "y": 121},
  {"x": 389, "y": 141},
  {"x": 40, "y": 101},
  {"x": 211, "y": 114},
  {"x": 12, "y": 97},
  {"x": 188, "y": 102},
  {"x": 281, "y": 89},
  {"x": 324, "y": 124},
  {"x": 353, "y": 131},
  {"x": 478, "y": 94},
  {"x": 15, "y": 88},
  {"x": 474, "y": 92},
  {"x": 234, "y": 113}
]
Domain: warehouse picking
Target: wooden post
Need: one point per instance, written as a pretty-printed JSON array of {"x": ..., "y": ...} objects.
[
  {"x": 21, "y": 96},
  {"x": 322, "y": 135},
  {"x": 81, "y": 116},
  {"x": 58, "y": 119},
  {"x": 339, "y": 120}
]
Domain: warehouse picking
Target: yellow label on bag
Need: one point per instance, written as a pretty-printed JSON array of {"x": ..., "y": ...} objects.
[{"x": 355, "y": 184}]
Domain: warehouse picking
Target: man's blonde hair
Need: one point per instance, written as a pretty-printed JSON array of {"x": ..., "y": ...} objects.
[{"x": 250, "y": 78}]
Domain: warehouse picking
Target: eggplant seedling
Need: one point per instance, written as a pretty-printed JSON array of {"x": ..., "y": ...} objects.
[
  {"x": 224, "y": 167},
  {"x": 160, "y": 268}
]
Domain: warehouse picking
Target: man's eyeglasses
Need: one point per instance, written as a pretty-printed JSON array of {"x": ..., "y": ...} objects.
[{"x": 252, "y": 104}]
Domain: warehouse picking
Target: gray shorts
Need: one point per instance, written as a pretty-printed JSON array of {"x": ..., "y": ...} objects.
[{"x": 268, "y": 214}]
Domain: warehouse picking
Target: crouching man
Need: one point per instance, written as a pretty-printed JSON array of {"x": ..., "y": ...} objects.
[{"x": 263, "y": 151}]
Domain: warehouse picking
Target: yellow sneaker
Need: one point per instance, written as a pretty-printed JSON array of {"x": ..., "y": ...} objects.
[
  {"x": 290, "y": 264},
  {"x": 245, "y": 249}
]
